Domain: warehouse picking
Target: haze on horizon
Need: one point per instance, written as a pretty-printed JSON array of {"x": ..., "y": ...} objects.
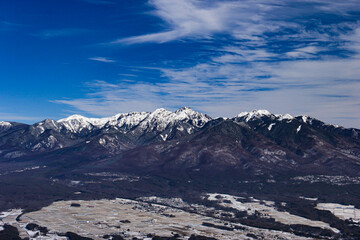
[{"x": 101, "y": 57}]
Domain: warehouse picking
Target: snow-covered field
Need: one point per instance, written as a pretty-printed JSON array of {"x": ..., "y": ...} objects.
[
  {"x": 344, "y": 212},
  {"x": 162, "y": 217},
  {"x": 266, "y": 209},
  {"x": 131, "y": 218}
]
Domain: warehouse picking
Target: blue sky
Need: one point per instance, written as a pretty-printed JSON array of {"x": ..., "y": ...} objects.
[{"x": 101, "y": 57}]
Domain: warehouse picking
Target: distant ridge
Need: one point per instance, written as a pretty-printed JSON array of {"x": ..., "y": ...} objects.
[{"x": 256, "y": 141}]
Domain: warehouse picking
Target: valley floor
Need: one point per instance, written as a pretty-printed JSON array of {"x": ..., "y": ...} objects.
[{"x": 148, "y": 217}]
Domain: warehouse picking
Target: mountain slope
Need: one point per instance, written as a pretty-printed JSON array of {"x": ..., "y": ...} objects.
[{"x": 256, "y": 142}]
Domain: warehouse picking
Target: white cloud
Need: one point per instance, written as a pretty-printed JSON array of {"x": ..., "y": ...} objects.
[
  {"x": 202, "y": 19},
  {"x": 102, "y": 59},
  {"x": 244, "y": 20}
]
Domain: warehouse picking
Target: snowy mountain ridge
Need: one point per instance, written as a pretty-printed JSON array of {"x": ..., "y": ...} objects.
[
  {"x": 160, "y": 118},
  {"x": 256, "y": 114}
]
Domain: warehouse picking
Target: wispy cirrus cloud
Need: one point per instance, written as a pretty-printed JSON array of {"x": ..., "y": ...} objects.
[
  {"x": 102, "y": 59},
  {"x": 63, "y": 32},
  {"x": 198, "y": 19},
  {"x": 15, "y": 117},
  {"x": 9, "y": 26},
  {"x": 101, "y": 2},
  {"x": 244, "y": 20}
]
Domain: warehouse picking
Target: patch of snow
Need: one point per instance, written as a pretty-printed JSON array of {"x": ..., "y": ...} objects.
[
  {"x": 307, "y": 119},
  {"x": 304, "y": 118},
  {"x": 11, "y": 212},
  {"x": 284, "y": 117},
  {"x": 276, "y": 152},
  {"x": 266, "y": 209},
  {"x": 254, "y": 114},
  {"x": 164, "y": 137},
  {"x": 242, "y": 114},
  {"x": 270, "y": 126},
  {"x": 307, "y": 198},
  {"x": 5, "y": 124},
  {"x": 102, "y": 141},
  {"x": 190, "y": 130},
  {"x": 32, "y": 234},
  {"x": 298, "y": 129},
  {"x": 180, "y": 128},
  {"x": 36, "y": 147},
  {"x": 343, "y": 212}
]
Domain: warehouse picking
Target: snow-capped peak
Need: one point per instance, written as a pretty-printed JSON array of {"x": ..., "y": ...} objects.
[
  {"x": 5, "y": 124},
  {"x": 184, "y": 109},
  {"x": 72, "y": 117},
  {"x": 159, "y": 119},
  {"x": 284, "y": 117},
  {"x": 254, "y": 114},
  {"x": 262, "y": 112},
  {"x": 197, "y": 119},
  {"x": 76, "y": 123}
]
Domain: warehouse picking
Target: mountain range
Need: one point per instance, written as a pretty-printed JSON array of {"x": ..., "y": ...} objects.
[{"x": 252, "y": 143}]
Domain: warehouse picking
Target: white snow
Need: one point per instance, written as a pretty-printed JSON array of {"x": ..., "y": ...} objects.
[
  {"x": 270, "y": 126},
  {"x": 267, "y": 209},
  {"x": 76, "y": 123},
  {"x": 6, "y": 124},
  {"x": 260, "y": 113},
  {"x": 305, "y": 118},
  {"x": 308, "y": 198},
  {"x": 254, "y": 114},
  {"x": 161, "y": 118},
  {"x": 298, "y": 129},
  {"x": 158, "y": 119},
  {"x": 164, "y": 137},
  {"x": 284, "y": 117},
  {"x": 343, "y": 212},
  {"x": 102, "y": 141},
  {"x": 180, "y": 128}
]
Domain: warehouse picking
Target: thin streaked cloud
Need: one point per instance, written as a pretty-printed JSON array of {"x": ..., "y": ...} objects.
[
  {"x": 65, "y": 32},
  {"x": 102, "y": 59}
]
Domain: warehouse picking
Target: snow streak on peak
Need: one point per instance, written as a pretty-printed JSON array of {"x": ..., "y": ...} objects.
[{"x": 306, "y": 119}]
